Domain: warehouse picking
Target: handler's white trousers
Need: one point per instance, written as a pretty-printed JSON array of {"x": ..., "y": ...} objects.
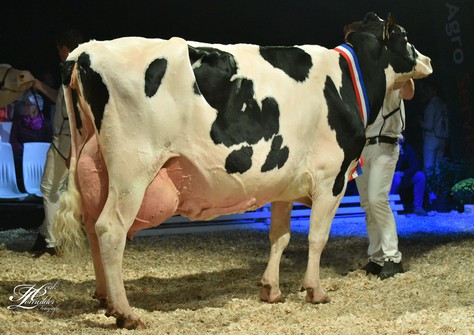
[
  {"x": 374, "y": 185},
  {"x": 54, "y": 183}
]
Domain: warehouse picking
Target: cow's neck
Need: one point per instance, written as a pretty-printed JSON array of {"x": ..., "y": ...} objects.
[{"x": 372, "y": 69}]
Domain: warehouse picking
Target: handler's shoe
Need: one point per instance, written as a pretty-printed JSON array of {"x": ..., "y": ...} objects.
[
  {"x": 372, "y": 268},
  {"x": 390, "y": 269},
  {"x": 40, "y": 247},
  {"x": 40, "y": 244}
]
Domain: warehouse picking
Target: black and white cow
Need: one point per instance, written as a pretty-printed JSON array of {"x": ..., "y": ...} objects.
[{"x": 165, "y": 127}]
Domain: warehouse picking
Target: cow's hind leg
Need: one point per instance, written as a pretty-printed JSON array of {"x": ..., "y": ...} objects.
[
  {"x": 279, "y": 239},
  {"x": 322, "y": 214},
  {"x": 111, "y": 228},
  {"x": 101, "y": 288}
]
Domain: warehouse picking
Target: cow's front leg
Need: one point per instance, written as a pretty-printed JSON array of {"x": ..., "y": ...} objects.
[
  {"x": 322, "y": 214},
  {"x": 279, "y": 239}
]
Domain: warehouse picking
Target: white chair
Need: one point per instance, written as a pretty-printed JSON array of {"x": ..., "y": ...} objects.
[
  {"x": 34, "y": 160},
  {"x": 8, "y": 185},
  {"x": 5, "y": 130}
]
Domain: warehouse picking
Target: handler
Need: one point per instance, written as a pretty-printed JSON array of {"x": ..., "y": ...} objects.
[
  {"x": 55, "y": 175},
  {"x": 380, "y": 156}
]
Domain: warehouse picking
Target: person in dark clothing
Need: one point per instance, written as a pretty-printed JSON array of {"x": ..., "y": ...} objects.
[
  {"x": 29, "y": 126},
  {"x": 408, "y": 172}
]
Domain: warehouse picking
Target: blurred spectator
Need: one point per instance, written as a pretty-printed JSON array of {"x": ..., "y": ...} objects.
[
  {"x": 408, "y": 174},
  {"x": 28, "y": 126},
  {"x": 49, "y": 105},
  {"x": 435, "y": 124},
  {"x": 6, "y": 113}
]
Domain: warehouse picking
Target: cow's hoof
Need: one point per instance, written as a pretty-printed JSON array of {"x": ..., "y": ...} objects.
[
  {"x": 123, "y": 321},
  {"x": 269, "y": 295},
  {"x": 128, "y": 323},
  {"x": 316, "y": 297}
]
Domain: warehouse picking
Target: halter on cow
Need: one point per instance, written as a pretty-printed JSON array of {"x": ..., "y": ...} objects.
[{"x": 165, "y": 127}]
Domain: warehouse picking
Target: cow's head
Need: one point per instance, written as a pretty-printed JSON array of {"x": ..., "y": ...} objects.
[
  {"x": 386, "y": 57},
  {"x": 13, "y": 83},
  {"x": 388, "y": 44}
]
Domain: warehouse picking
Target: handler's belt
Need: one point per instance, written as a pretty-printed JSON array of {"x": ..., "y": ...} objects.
[{"x": 381, "y": 139}]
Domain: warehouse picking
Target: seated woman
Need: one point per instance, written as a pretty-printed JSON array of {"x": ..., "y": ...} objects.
[
  {"x": 29, "y": 125},
  {"x": 408, "y": 173}
]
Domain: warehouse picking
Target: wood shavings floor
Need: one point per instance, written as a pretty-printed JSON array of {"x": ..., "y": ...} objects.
[{"x": 208, "y": 283}]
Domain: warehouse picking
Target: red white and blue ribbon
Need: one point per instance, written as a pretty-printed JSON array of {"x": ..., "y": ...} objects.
[
  {"x": 357, "y": 81},
  {"x": 361, "y": 94}
]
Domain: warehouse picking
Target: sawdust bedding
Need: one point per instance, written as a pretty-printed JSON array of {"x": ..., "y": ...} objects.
[{"x": 208, "y": 283}]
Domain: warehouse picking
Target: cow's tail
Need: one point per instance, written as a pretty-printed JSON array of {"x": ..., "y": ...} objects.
[
  {"x": 70, "y": 234},
  {"x": 69, "y": 229}
]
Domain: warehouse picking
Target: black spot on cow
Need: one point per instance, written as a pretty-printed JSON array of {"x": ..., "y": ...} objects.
[
  {"x": 277, "y": 155},
  {"x": 295, "y": 62},
  {"x": 66, "y": 71},
  {"x": 344, "y": 117},
  {"x": 95, "y": 91},
  {"x": 77, "y": 114},
  {"x": 242, "y": 120},
  {"x": 240, "y": 117},
  {"x": 213, "y": 74},
  {"x": 154, "y": 75},
  {"x": 239, "y": 160}
]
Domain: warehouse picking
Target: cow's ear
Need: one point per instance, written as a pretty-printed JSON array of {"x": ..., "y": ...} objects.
[
  {"x": 371, "y": 17},
  {"x": 389, "y": 24}
]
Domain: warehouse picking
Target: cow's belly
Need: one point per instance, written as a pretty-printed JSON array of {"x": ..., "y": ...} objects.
[
  {"x": 205, "y": 193},
  {"x": 178, "y": 188}
]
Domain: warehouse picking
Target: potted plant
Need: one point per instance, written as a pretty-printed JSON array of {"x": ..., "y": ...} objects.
[
  {"x": 440, "y": 178},
  {"x": 463, "y": 192}
]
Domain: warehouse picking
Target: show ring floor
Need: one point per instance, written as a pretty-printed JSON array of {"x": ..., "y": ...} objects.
[{"x": 194, "y": 280}]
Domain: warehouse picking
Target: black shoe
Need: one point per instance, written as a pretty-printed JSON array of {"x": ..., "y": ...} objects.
[
  {"x": 39, "y": 253},
  {"x": 420, "y": 211},
  {"x": 390, "y": 269},
  {"x": 40, "y": 244},
  {"x": 372, "y": 268},
  {"x": 51, "y": 251}
]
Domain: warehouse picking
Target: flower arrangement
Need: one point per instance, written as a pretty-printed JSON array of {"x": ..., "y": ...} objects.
[
  {"x": 442, "y": 176},
  {"x": 464, "y": 191}
]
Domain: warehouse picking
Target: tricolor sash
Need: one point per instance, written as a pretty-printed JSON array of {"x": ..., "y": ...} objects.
[
  {"x": 357, "y": 81},
  {"x": 361, "y": 94}
]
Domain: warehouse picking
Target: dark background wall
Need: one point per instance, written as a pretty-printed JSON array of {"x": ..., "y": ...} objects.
[{"x": 440, "y": 29}]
